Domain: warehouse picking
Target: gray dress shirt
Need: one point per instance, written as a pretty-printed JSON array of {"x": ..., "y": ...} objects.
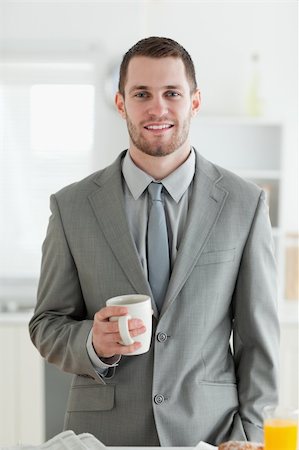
[{"x": 177, "y": 193}]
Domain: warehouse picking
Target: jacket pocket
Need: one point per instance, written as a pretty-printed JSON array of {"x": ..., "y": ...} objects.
[
  {"x": 91, "y": 398},
  {"x": 218, "y": 383},
  {"x": 219, "y": 256}
]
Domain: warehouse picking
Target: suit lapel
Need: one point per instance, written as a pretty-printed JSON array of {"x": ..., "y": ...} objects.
[
  {"x": 206, "y": 204},
  {"x": 205, "y": 207},
  {"x": 108, "y": 205}
]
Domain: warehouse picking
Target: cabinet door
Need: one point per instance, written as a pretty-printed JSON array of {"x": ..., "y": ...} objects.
[
  {"x": 289, "y": 375},
  {"x": 21, "y": 387},
  {"x": 8, "y": 386}
]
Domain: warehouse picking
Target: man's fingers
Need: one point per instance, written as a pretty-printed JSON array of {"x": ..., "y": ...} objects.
[
  {"x": 110, "y": 311},
  {"x": 116, "y": 337},
  {"x": 106, "y": 338},
  {"x": 112, "y": 327},
  {"x": 135, "y": 324},
  {"x": 109, "y": 327},
  {"x": 113, "y": 311},
  {"x": 137, "y": 331}
]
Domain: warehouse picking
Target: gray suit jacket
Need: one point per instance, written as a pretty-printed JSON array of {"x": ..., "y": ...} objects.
[{"x": 190, "y": 386}]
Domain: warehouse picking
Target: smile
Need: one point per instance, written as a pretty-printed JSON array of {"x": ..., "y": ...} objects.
[{"x": 158, "y": 127}]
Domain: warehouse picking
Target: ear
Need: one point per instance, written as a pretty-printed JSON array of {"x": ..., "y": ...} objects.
[
  {"x": 120, "y": 104},
  {"x": 196, "y": 102}
]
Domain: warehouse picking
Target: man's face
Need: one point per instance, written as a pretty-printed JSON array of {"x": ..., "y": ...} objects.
[{"x": 158, "y": 105}]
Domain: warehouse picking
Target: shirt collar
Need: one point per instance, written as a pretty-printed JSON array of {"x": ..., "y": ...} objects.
[{"x": 176, "y": 183}]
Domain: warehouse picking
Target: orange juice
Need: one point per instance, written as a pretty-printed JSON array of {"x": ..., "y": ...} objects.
[{"x": 280, "y": 434}]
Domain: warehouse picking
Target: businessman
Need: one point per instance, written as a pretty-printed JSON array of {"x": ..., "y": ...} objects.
[{"x": 207, "y": 264}]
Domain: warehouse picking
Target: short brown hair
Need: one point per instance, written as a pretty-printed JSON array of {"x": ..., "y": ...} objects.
[{"x": 157, "y": 47}]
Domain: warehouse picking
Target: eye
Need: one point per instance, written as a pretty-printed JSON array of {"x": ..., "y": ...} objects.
[
  {"x": 172, "y": 94},
  {"x": 141, "y": 94}
]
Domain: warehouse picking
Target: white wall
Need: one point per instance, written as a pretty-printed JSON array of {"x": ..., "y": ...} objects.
[{"x": 220, "y": 36}]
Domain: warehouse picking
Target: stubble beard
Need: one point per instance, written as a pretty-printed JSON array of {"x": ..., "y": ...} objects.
[{"x": 159, "y": 149}]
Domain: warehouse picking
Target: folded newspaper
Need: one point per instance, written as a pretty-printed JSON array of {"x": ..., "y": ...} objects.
[{"x": 68, "y": 440}]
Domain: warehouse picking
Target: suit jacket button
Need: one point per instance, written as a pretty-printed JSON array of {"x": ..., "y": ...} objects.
[
  {"x": 162, "y": 337},
  {"x": 158, "y": 399}
]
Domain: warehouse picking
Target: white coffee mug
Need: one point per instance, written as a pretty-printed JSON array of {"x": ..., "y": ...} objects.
[{"x": 139, "y": 307}]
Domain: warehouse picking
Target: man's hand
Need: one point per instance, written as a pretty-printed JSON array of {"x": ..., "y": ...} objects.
[{"x": 105, "y": 334}]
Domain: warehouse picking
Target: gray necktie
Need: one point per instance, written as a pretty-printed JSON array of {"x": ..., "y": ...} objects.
[{"x": 157, "y": 246}]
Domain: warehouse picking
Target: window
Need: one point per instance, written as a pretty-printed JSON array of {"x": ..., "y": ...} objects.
[
  {"x": 47, "y": 118},
  {"x": 63, "y": 113}
]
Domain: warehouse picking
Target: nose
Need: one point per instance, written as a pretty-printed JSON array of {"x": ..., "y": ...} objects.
[{"x": 157, "y": 107}]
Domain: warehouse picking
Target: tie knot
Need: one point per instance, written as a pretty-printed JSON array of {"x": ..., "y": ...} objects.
[{"x": 154, "y": 190}]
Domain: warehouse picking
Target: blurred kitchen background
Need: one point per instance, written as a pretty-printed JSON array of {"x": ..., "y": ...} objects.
[{"x": 58, "y": 70}]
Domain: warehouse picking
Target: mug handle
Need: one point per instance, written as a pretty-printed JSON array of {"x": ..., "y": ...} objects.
[{"x": 124, "y": 329}]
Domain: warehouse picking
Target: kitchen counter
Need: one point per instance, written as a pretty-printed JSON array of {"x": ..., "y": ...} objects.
[
  {"x": 18, "y": 317},
  {"x": 27, "y": 447},
  {"x": 151, "y": 448}
]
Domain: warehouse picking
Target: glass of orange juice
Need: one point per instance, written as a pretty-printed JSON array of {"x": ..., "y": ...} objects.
[{"x": 280, "y": 428}]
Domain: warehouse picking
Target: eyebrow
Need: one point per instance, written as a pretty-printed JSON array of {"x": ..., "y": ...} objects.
[{"x": 147, "y": 88}]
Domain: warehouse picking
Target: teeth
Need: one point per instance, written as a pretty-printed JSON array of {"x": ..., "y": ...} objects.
[{"x": 157, "y": 127}]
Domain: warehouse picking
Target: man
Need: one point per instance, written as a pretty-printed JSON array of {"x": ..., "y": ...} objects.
[{"x": 190, "y": 386}]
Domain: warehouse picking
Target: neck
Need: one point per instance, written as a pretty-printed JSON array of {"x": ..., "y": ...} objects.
[{"x": 159, "y": 167}]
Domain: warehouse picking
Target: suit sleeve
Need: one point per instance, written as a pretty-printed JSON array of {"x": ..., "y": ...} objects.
[
  {"x": 59, "y": 328},
  {"x": 256, "y": 327}
]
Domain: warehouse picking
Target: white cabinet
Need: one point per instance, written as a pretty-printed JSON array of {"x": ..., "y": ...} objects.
[
  {"x": 250, "y": 147},
  {"x": 21, "y": 384},
  {"x": 253, "y": 149},
  {"x": 289, "y": 365}
]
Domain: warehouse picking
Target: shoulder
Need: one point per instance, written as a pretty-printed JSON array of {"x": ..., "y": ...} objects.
[{"x": 236, "y": 186}]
